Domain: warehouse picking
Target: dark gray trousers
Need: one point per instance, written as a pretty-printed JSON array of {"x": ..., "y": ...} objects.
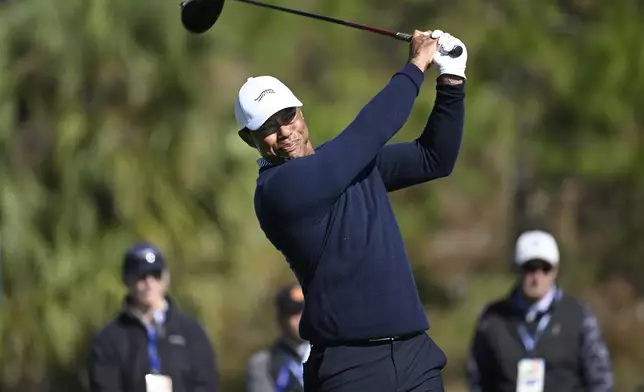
[{"x": 411, "y": 365}]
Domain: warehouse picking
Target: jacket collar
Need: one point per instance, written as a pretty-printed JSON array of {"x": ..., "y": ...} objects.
[
  {"x": 300, "y": 351},
  {"x": 160, "y": 317},
  {"x": 544, "y": 305}
]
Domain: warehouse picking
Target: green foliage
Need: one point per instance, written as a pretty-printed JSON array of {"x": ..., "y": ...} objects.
[{"x": 117, "y": 125}]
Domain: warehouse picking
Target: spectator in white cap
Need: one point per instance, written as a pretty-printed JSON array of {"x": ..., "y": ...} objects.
[
  {"x": 537, "y": 261},
  {"x": 536, "y": 338}
]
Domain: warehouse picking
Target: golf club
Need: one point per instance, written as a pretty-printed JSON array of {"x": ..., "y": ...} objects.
[{"x": 198, "y": 16}]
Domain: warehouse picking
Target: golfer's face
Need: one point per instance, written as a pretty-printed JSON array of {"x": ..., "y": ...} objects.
[
  {"x": 283, "y": 136},
  {"x": 537, "y": 278}
]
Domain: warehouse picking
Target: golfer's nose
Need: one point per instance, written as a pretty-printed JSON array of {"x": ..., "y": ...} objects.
[{"x": 284, "y": 132}]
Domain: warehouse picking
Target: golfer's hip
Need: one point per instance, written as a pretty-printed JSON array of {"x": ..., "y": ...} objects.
[{"x": 383, "y": 365}]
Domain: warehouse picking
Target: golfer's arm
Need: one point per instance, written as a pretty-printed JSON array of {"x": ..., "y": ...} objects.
[
  {"x": 321, "y": 178},
  {"x": 434, "y": 153}
]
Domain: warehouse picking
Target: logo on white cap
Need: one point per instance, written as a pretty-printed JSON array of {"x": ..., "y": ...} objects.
[
  {"x": 263, "y": 94},
  {"x": 261, "y": 97},
  {"x": 536, "y": 245}
]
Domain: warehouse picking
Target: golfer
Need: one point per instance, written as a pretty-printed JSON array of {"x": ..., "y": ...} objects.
[{"x": 327, "y": 210}]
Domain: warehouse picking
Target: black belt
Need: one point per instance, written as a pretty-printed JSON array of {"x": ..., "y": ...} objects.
[{"x": 366, "y": 342}]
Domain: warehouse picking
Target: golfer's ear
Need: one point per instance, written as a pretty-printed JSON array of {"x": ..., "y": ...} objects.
[{"x": 244, "y": 134}]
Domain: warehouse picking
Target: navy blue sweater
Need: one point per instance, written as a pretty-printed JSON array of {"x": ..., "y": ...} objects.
[{"x": 329, "y": 213}]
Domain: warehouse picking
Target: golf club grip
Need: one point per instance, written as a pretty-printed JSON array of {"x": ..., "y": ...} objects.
[{"x": 454, "y": 53}]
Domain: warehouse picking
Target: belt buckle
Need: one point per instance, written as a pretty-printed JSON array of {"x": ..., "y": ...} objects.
[{"x": 387, "y": 339}]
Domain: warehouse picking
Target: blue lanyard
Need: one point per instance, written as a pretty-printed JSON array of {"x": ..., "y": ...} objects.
[
  {"x": 153, "y": 355},
  {"x": 289, "y": 367},
  {"x": 530, "y": 341}
]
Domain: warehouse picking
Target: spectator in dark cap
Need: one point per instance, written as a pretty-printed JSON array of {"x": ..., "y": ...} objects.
[
  {"x": 278, "y": 367},
  {"x": 151, "y": 345}
]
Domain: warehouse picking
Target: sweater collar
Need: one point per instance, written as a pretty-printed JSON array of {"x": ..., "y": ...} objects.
[{"x": 262, "y": 163}]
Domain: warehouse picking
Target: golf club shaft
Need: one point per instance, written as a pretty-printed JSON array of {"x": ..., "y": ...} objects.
[{"x": 389, "y": 33}]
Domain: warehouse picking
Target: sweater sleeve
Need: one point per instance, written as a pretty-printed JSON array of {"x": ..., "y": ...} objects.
[
  {"x": 595, "y": 358},
  {"x": 104, "y": 365},
  {"x": 204, "y": 376},
  {"x": 478, "y": 373},
  {"x": 319, "y": 179},
  {"x": 433, "y": 154},
  {"x": 258, "y": 378}
]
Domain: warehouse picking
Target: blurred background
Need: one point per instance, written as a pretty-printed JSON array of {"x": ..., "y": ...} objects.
[{"x": 117, "y": 125}]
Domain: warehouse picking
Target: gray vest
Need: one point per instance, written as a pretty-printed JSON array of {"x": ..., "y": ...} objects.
[{"x": 559, "y": 344}]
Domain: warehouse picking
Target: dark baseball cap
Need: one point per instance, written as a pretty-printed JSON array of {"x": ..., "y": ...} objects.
[
  {"x": 290, "y": 300},
  {"x": 141, "y": 259}
]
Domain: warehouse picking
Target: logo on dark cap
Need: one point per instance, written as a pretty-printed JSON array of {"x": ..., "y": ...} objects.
[
  {"x": 263, "y": 94},
  {"x": 150, "y": 257}
]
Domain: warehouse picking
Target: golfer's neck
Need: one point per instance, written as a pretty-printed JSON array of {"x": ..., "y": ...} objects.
[{"x": 275, "y": 160}]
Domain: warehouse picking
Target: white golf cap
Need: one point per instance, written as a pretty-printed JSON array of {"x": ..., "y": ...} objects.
[
  {"x": 261, "y": 97},
  {"x": 537, "y": 245}
]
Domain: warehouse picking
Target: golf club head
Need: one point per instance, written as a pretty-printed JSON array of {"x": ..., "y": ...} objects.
[{"x": 198, "y": 16}]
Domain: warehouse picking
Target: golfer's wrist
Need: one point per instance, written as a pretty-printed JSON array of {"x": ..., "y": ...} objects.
[
  {"x": 421, "y": 65},
  {"x": 450, "y": 79}
]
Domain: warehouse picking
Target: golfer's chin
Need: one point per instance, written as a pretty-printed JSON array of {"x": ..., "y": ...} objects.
[{"x": 289, "y": 155}]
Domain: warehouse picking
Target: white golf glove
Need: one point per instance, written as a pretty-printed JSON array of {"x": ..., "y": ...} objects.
[{"x": 444, "y": 63}]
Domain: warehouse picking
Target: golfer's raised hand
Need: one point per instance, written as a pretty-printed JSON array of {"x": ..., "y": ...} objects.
[
  {"x": 447, "y": 65},
  {"x": 422, "y": 49}
]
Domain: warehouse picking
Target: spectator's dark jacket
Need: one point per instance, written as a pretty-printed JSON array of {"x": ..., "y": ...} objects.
[
  {"x": 267, "y": 366},
  {"x": 119, "y": 358},
  {"x": 575, "y": 353}
]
